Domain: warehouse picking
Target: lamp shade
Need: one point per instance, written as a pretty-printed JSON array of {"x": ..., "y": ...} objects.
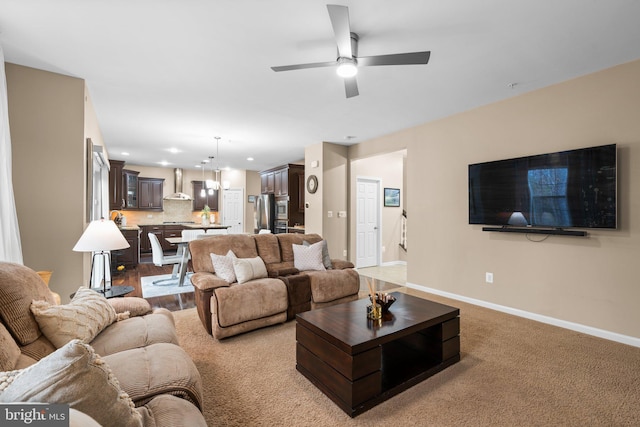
[{"x": 101, "y": 235}]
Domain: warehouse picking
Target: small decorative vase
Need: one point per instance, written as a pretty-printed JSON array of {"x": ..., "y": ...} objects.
[
  {"x": 205, "y": 220},
  {"x": 374, "y": 312}
]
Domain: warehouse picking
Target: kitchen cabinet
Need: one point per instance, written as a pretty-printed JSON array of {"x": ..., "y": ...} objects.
[
  {"x": 150, "y": 193},
  {"x": 129, "y": 257},
  {"x": 267, "y": 183},
  {"x": 116, "y": 200},
  {"x": 130, "y": 189},
  {"x": 145, "y": 244},
  {"x": 286, "y": 182},
  {"x": 210, "y": 200}
]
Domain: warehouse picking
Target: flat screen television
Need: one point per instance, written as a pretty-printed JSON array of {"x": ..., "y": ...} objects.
[{"x": 567, "y": 189}]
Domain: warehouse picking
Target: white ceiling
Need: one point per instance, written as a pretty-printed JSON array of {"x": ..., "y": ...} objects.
[{"x": 168, "y": 74}]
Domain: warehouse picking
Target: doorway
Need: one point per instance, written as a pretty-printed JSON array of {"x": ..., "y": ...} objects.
[
  {"x": 367, "y": 222},
  {"x": 233, "y": 210}
]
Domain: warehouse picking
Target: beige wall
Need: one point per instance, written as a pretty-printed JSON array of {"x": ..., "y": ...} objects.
[
  {"x": 389, "y": 169},
  {"x": 589, "y": 281},
  {"x": 50, "y": 118},
  {"x": 313, "y": 214}
]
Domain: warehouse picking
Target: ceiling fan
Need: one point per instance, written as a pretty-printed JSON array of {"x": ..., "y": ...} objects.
[{"x": 348, "y": 61}]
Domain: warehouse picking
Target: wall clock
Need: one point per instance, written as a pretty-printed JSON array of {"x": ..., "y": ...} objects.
[{"x": 312, "y": 184}]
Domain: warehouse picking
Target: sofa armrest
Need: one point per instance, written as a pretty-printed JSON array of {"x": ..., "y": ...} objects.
[
  {"x": 204, "y": 284},
  {"x": 340, "y": 264},
  {"x": 281, "y": 272},
  {"x": 205, "y": 281}
]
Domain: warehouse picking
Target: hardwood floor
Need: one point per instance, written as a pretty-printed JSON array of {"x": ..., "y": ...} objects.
[{"x": 131, "y": 277}]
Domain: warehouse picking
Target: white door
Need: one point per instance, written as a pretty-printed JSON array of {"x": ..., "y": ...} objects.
[
  {"x": 367, "y": 222},
  {"x": 232, "y": 210}
]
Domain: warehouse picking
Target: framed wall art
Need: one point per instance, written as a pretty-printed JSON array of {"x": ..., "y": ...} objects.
[{"x": 392, "y": 197}]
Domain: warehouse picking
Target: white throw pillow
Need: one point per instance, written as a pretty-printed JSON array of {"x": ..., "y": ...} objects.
[
  {"x": 223, "y": 266},
  {"x": 308, "y": 257},
  {"x": 75, "y": 375},
  {"x": 83, "y": 318},
  {"x": 326, "y": 259},
  {"x": 249, "y": 268}
]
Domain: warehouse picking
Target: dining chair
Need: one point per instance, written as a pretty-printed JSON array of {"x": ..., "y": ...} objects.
[
  {"x": 160, "y": 259},
  {"x": 192, "y": 234},
  {"x": 213, "y": 231}
]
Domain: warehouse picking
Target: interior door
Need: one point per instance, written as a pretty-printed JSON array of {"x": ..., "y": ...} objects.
[
  {"x": 367, "y": 222},
  {"x": 232, "y": 210}
]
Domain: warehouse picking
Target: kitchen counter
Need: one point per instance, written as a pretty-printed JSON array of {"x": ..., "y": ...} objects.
[
  {"x": 206, "y": 227},
  {"x": 129, "y": 227}
]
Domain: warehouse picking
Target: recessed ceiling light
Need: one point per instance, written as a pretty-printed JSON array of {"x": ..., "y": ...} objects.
[
  {"x": 198, "y": 166},
  {"x": 124, "y": 153},
  {"x": 174, "y": 150},
  {"x": 164, "y": 163},
  {"x": 250, "y": 159}
]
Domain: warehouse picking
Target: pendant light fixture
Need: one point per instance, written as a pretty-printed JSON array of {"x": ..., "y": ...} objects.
[
  {"x": 214, "y": 183},
  {"x": 203, "y": 192}
]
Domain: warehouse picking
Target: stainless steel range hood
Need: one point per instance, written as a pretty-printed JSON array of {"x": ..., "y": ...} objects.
[{"x": 178, "y": 194}]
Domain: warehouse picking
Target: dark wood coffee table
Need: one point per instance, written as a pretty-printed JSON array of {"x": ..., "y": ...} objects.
[{"x": 358, "y": 362}]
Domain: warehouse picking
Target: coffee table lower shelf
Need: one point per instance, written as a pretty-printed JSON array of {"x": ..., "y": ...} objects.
[{"x": 358, "y": 382}]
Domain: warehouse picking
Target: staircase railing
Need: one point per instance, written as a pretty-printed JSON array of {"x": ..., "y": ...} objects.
[{"x": 403, "y": 230}]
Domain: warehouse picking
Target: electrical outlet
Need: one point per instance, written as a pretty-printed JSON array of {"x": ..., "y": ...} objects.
[
  {"x": 329, "y": 214},
  {"x": 384, "y": 249},
  {"x": 342, "y": 214},
  {"x": 488, "y": 277},
  {"x": 344, "y": 252},
  {"x": 150, "y": 216}
]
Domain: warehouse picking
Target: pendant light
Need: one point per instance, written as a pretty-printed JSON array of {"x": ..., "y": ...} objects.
[
  {"x": 214, "y": 183},
  {"x": 203, "y": 192}
]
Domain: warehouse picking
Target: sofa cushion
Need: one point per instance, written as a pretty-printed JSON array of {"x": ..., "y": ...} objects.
[
  {"x": 249, "y": 301},
  {"x": 243, "y": 246},
  {"x": 83, "y": 318},
  {"x": 268, "y": 248},
  {"x": 136, "y": 332},
  {"x": 9, "y": 350},
  {"x": 223, "y": 265},
  {"x": 326, "y": 259},
  {"x": 19, "y": 285},
  {"x": 247, "y": 269},
  {"x": 333, "y": 285},
  {"x": 156, "y": 369},
  {"x": 308, "y": 257},
  {"x": 77, "y": 376}
]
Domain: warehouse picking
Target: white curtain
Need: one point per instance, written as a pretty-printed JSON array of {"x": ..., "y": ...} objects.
[{"x": 10, "y": 248}]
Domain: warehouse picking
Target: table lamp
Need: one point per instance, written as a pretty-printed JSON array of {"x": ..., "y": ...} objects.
[{"x": 100, "y": 237}]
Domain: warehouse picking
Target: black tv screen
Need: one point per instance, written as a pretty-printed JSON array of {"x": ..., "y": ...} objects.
[{"x": 568, "y": 189}]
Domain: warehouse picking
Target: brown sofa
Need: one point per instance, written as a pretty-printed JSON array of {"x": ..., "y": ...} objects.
[
  {"x": 227, "y": 309},
  {"x": 137, "y": 353}
]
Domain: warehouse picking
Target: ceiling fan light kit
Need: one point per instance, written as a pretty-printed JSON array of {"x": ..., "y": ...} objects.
[
  {"x": 347, "y": 67},
  {"x": 348, "y": 60}
]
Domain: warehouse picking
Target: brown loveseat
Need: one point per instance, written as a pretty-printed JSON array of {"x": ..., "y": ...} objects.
[
  {"x": 229, "y": 308},
  {"x": 103, "y": 349}
]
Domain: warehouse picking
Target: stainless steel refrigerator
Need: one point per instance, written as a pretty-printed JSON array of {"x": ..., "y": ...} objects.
[{"x": 264, "y": 213}]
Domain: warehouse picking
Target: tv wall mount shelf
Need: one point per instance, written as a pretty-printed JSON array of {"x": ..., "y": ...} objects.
[{"x": 529, "y": 230}]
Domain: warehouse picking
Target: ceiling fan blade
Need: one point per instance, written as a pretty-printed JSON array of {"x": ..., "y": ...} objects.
[
  {"x": 351, "y": 87},
  {"x": 395, "y": 59},
  {"x": 339, "y": 16},
  {"x": 303, "y": 66}
]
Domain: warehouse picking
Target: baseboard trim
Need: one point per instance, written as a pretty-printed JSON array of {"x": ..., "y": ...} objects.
[
  {"x": 388, "y": 263},
  {"x": 589, "y": 330}
]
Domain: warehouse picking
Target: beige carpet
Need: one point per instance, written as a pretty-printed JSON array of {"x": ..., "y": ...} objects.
[{"x": 513, "y": 372}]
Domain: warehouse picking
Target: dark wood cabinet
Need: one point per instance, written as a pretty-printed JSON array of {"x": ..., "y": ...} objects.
[
  {"x": 128, "y": 257},
  {"x": 130, "y": 189},
  {"x": 150, "y": 193},
  {"x": 210, "y": 200},
  {"x": 145, "y": 244},
  {"x": 116, "y": 200},
  {"x": 286, "y": 182},
  {"x": 267, "y": 181}
]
